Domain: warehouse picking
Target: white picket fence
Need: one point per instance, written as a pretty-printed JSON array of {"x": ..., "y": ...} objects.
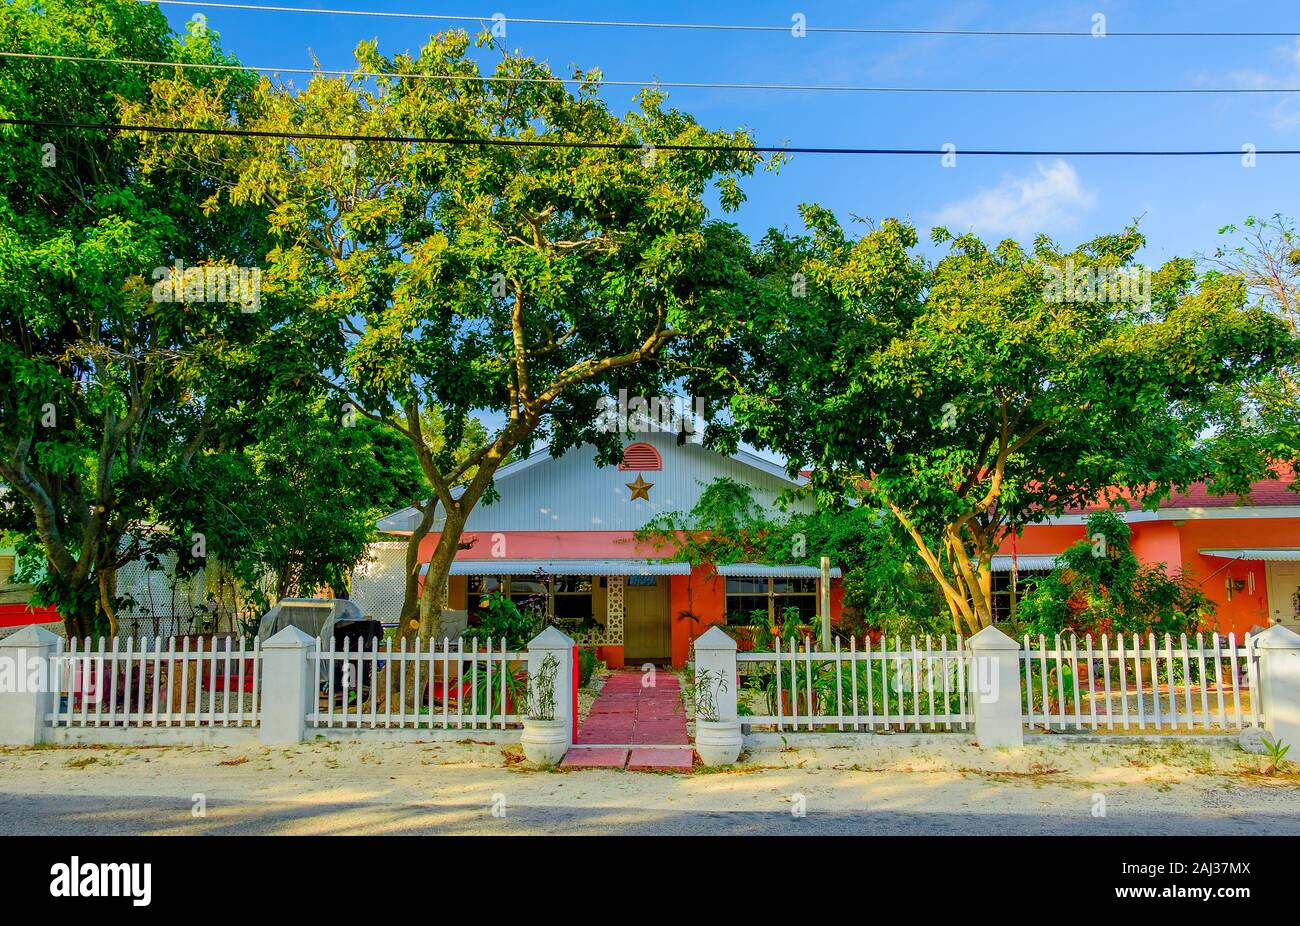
[
  {"x": 1106, "y": 684},
  {"x": 452, "y": 685},
  {"x": 909, "y": 686},
  {"x": 1142, "y": 684},
  {"x": 145, "y": 683}
]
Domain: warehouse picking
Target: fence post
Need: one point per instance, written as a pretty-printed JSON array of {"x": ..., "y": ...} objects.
[
  {"x": 547, "y": 739},
  {"x": 27, "y": 685},
  {"x": 717, "y": 740},
  {"x": 1278, "y": 649},
  {"x": 289, "y": 690},
  {"x": 993, "y": 681}
]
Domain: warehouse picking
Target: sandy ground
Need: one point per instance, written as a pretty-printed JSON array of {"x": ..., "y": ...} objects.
[{"x": 471, "y": 787}]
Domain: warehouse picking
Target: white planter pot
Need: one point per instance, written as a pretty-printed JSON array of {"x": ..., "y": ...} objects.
[
  {"x": 717, "y": 743},
  {"x": 545, "y": 741}
]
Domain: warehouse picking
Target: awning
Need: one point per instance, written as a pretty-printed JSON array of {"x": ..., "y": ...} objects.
[
  {"x": 1268, "y": 554},
  {"x": 565, "y": 567},
  {"x": 1023, "y": 563},
  {"x": 762, "y": 571}
]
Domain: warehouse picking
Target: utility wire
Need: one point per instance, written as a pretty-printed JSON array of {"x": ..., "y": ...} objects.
[
  {"x": 631, "y": 146},
  {"x": 716, "y": 27},
  {"x": 669, "y": 84}
]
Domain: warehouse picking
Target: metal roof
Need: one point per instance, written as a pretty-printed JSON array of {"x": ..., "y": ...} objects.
[
  {"x": 566, "y": 567},
  {"x": 1033, "y": 563},
  {"x": 762, "y": 570},
  {"x": 1268, "y": 554}
]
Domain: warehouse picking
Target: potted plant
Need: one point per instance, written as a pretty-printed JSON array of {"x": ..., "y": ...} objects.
[
  {"x": 545, "y": 739},
  {"x": 717, "y": 741}
]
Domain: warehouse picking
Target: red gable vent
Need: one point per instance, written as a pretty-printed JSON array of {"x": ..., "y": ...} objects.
[{"x": 642, "y": 457}]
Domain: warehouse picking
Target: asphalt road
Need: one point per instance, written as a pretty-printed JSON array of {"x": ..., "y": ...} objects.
[{"x": 79, "y": 815}]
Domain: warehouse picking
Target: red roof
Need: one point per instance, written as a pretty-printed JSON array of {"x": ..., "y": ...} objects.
[{"x": 1264, "y": 493}]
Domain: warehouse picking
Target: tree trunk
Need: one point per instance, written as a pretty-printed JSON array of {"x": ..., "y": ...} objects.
[
  {"x": 410, "y": 612},
  {"x": 435, "y": 577},
  {"x": 107, "y": 589}
]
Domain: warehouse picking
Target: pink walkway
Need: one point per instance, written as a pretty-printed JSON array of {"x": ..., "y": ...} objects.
[{"x": 634, "y": 723}]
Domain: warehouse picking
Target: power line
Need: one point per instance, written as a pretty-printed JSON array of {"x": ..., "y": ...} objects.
[
  {"x": 718, "y": 27},
  {"x": 670, "y": 84},
  {"x": 633, "y": 146}
]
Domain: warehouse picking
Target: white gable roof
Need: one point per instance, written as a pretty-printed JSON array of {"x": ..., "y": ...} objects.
[{"x": 572, "y": 493}]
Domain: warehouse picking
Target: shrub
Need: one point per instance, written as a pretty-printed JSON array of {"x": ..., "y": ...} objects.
[{"x": 1098, "y": 586}]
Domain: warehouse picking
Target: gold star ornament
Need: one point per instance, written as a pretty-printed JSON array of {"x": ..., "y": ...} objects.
[{"x": 640, "y": 488}]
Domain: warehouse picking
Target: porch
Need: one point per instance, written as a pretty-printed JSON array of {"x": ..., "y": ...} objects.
[{"x": 638, "y": 611}]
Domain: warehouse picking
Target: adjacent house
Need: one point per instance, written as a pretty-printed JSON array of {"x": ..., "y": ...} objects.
[{"x": 1244, "y": 556}]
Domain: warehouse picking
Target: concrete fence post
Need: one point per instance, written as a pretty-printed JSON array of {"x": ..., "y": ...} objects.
[
  {"x": 27, "y": 685},
  {"x": 717, "y": 739},
  {"x": 1278, "y": 649},
  {"x": 993, "y": 683},
  {"x": 289, "y": 691},
  {"x": 547, "y": 738}
]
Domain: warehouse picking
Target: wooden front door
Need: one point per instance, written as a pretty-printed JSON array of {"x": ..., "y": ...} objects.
[
  {"x": 1283, "y": 588},
  {"x": 647, "y": 633}
]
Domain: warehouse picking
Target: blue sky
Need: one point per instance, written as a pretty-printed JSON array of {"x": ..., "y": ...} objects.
[{"x": 1181, "y": 202}]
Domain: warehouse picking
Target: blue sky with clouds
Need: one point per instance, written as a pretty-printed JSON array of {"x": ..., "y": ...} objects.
[{"x": 1181, "y": 202}]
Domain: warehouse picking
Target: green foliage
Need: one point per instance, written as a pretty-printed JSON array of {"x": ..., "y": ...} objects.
[
  {"x": 587, "y": 662},
  {"x": 524, "y": 281},
  {"x": 487, "y": 693},
  {"x": 541, "y": 690},
  {"x": 886, "y": 586},
  {"x": 1257, "y": 425},
  {"x": 709, "y": 684},
  {"x": 108, "y": 394},
  {"x": 967, "y": 399},
  {"x": 499, "y": 617},
  {"x": 1098, "y": 586},
  {"x": 1276, "y": 750}
]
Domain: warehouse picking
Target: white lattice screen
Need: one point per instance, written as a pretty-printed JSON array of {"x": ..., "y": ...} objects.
[
  {"x": 161, "y": 604},
  {"x": 379, "y": 584}
]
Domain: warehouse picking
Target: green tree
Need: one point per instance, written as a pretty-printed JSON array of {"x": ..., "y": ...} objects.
[
  {"x": 1258, "y": 425},
  {"x": 978, "y": 394},
  {"x": 886, "y": 585},
  {"x": 523, "y": 279},
  {"x": 109, "y": 386},
  {"x": 293, "y": 509}
]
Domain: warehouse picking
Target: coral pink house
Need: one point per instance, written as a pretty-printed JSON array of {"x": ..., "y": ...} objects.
[{"x": 1244, "y": 556}]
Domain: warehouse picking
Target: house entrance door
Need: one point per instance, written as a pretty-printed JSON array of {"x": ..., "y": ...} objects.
[
  {"x": 647, "y": 633},
  {"x": 1284, "y": 594}
]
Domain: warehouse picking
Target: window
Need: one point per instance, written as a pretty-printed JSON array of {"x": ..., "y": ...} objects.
[
  {"x": 484, "y": 585},
  {"x": 527, "y": 590},
  {"x": 571, "y": 598},
  {"x": 772, "y": 595},
  {"x": 567, "y": 597},
  {"x": 1001, "y": 590},
  {"x": 795, "y": 593}
]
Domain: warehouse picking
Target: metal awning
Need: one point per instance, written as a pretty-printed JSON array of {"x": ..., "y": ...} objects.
[
  {"x": 763, "y": 570},
  {"x": 1037, "y": 563},
  {"x": 1268, "y": 554},
  {"x": 565, "y": 567}
]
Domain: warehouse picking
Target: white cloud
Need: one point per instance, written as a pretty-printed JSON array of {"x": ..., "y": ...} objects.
[
  {"x": 1284, "y": 114},
  {"x": 1045, "y": 200}
]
